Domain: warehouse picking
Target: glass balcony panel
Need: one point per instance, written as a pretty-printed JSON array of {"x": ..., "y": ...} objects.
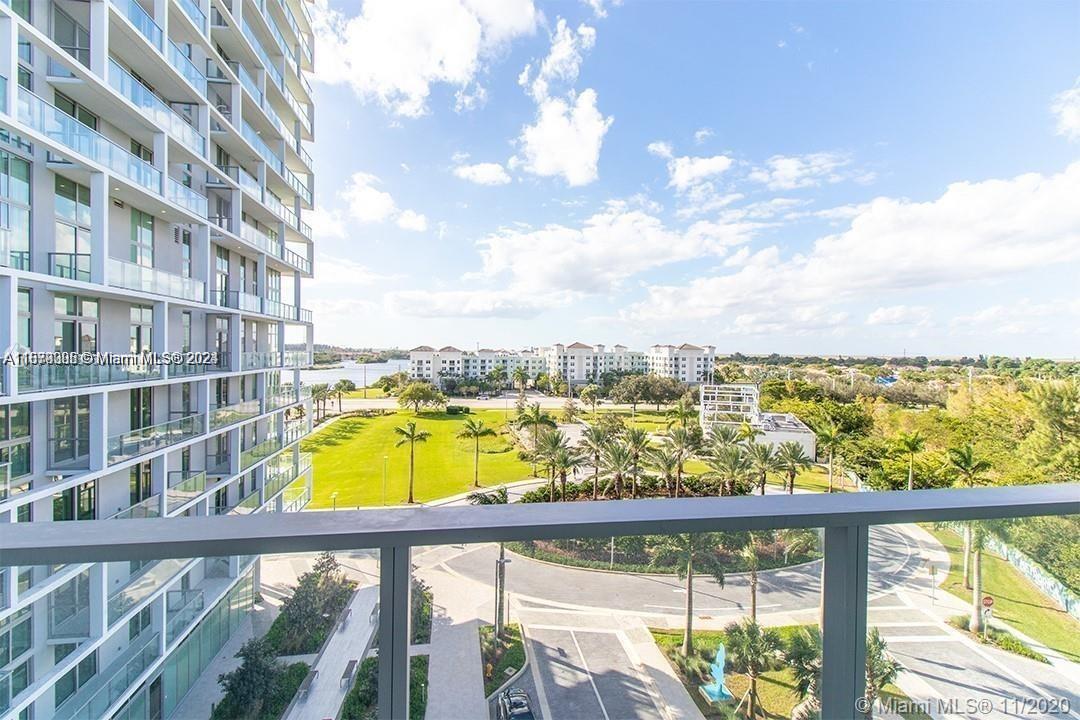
[
  {"x": 241, "y": 301},
  {"x": 10, "y": 257},
  {"x": 191, "y": 9},
  {"x": 39, "y": 378},
  {"x": 271, "y": 158},
  {"x": 230, "y": 414},
  {"x": 260, "y": 240},
  {"x": 298, "y": 261},
  {"x": 60, "y": 127},
  {"x": 155, "y": 108},
  {"x": 182, "y": 607},
  {"x": 186, "y": 369},
  {"x": 151, "y": 280},
  {"x": 71, "y": 266},
  {"x": 248, "y": 82},
  {"x": 298, "y": 358},
  {"x": 248, "y": 505},
  {"x": 249, "y": 183},
  {"x": 271, "y": 71},
  {"x": 184, "y": 486},
  {"x": 186, "y": 198},
  {"x": 142, "y": 21},
  {"x": 133, "y": 443},
  {"x": 148, "y": 508},
  {"x": 186, "y": 67},
  {"x": 260, "y": 360},
  {"x": 298, "y": 185},
  {"x": 138, "y": 587},
  {"x": 110, "y": 683},
  {"x": 263, "y": 450}
]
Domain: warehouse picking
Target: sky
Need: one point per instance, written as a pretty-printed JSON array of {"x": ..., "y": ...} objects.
[{"x": 792, "y": 177}]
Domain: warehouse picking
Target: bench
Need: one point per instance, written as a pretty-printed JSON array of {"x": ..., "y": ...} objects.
[
  {"x": 346, "y": 677},
  {"x": 306, "y": 685}
]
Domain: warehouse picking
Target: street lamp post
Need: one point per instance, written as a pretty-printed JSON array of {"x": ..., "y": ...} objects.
[{"x": 333, "y": 497}]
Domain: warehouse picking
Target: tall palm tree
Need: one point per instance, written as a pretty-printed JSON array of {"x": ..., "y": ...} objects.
[
  {"x": 881, "y": 670},
  {"x": 829, "y": 439},
  {"x": 978, "y": 541},
  {"x": 720, "y": 438},
  {"x": 803, "y": 656},
  {"x": 474, "y": 430},
  {"x": 409, "y": 433},
  {"x": 910, "y": 444},
  {"x": 969, "y": 469},
  {"x": 319, "y": 393},
  {"x": 617, "y": 462},
  {"x": 521, "y": 378},
  {"x": 550, "y": 444},
  {"x": 749, "y": 552},
  {"x": 564, "y": 462},
  {"x": 496, "y": 497},
  {"x": 637, "y": 442},
  {"x": 691, "y": 553},
  {"x": 763, "y": 460},
  {"x": 665, "y": 462},
  {"x": 684, "y": 443},
  {"x": 682, "y": 413},
  {"x": 748, "y": 433},
  {"x": 534, "y": 418},
  {"x": 340, "y": 388},
  {"x": 792, "y": 459},
  {"x": 751, "y": 650},
  {"x": 593, "y": 441},
  {"x": 731, "y": 466}
]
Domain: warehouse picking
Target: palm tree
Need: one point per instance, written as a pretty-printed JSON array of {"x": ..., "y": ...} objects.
[
  {"x": 535, "y": 418},
  {"x": 682, "y": 413},
  {"x": 910, "y": 444},
  {"x": 637, "y": 442},
  {"x": 762, "y": 462},
  {"x": 977, "y": 541},
  {"x": 969, "y": 469},
  {"x": 340, "y": 388},
  {"x": 751, "y": 650},
  {"x": 684, "y": 443},
  {"x": 564, "y": 462},
  {"x": 803, "y": 656},
  {"x": 617, "y": 462},
  {"x": 496, "y": 497},
  {"x": 749, "y": 553},
  {"x": 690, "y": 553},
  {"x": 731, "y": 466},
  {"x": 665, "y": 461},
  {"x": 412, "y": 435},
  {"x": 550, "y": 444},
  {"x": 319, "y": 393},
  {"x": 720, "y": 438},
  {"x": 521, "y": 378},
  {"x": 792, "y": 459},
  {"x": 881, "y": 670},
  {"x": 474, "y": 430},
  {"x": 748, "y": 433},
  {"x": 593, "y": 441},
  {"x": 828, "y": 439}
]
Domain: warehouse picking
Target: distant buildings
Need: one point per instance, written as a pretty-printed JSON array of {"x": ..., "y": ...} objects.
[
  {"x": 738, "y": 403},
  {"x": 577, "y": 363}
]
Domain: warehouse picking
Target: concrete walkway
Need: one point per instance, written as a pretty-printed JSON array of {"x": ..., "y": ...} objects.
[{"x": 348, "y": 641}]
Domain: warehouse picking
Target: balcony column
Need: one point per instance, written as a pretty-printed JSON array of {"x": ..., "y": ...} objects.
[
  {"x": 99, "y": 430},
  {"x": 394, "y": 587},
  {"x": 99, "y": 224},
  {"x": 235, "y": 361},
  {"x": 9, "y": 63},
  {"x": 99, "y": 39},
  {"x": 159, "y": 478},
  {"x": 202, "y": 248},
  {"x": 159, "y": 338},
  {"x": 99, "y": 599},
  {"x": 161, "y": 17},
  {"x": 843, "y": 631}
]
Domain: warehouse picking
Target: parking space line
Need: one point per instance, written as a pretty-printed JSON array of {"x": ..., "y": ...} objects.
[{"x": 588, "y": 674}]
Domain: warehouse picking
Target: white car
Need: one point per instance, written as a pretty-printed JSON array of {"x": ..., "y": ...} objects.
[{"x": 483, "y": 397}]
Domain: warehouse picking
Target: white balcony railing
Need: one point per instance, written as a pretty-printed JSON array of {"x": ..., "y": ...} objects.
[{"x": 846, "y": 519}]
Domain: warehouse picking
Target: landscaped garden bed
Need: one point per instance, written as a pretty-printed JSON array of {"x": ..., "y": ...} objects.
[
  {"x": 501, "y": 658},
  {"x": 362, "y": 701}
]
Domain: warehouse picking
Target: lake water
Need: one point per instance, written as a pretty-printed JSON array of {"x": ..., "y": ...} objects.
[{"x": 357, "y": 372}]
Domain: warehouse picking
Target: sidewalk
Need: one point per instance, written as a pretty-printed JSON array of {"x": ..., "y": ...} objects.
[{"x": 347, "y": 642}]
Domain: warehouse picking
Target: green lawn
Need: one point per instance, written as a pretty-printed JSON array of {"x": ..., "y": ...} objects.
[
  {"x": 358, "y": 394},
  {"x": 649, "y": 420},
  {"x": 348, "y": 459},
  {"x": 1016, "y": 600}
]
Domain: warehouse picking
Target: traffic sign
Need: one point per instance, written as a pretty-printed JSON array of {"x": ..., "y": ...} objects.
[{"x": 988, "y": 602}]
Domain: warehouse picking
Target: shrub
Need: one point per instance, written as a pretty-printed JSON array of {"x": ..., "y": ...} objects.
[
  {"x": 310, "y": 612},
  {"x": 362, "y": 699},
  {"x": 421, "y": 612},
  {"x": 457, "y": 410},
  {"x": 261, "y": 688},
  {"x": 1000, "y": 638}
]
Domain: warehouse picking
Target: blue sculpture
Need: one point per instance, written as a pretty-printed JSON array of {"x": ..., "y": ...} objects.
[{"x": 716, "y": 691}]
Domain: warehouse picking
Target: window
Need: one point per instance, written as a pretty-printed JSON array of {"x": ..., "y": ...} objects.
[
  {"x": 141, "y": 151},
  {"x": 75, "y": 678},
  {"x": 140, "y": 622},
  {"x": 70, "y": 431},
  {"x": 16, "y": 636},
  {"x": 243, "y": 274},
  {"x": 185, "y": 331},
  {"x": 141, "y": 410},
  {"x": 25, "y": 314},
  {"x": 185, "y": 253},
  {"x": 273, "y": 285},
  {"x": 140, "y": 483},
  {"x": 70, "y": 35},
  {"x": 72, "y": 257},
  {"x": 77, "y": 503},
  {"x": 142, "y": 238},
  {"x": 221, "y": 275},
  {"x": 77, "y": 111},
  {"x": 142, "y": 328},
  {"x": 15, "y": 207},
  {"x": 75, "y": 327},
  {"x": 25, "y": 78},
  {"x": 221, "y": 334}
]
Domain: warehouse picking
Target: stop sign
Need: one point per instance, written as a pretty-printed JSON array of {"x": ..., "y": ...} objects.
[{"x": 988, "y": 602}]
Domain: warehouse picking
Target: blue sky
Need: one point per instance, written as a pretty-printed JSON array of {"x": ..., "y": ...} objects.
[{"x": 790, "y": 177}]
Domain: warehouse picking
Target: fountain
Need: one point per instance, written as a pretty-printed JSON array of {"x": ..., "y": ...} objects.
[{"x": 716, "y": 691}]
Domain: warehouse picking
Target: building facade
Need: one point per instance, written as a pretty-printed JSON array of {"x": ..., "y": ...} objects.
[
  {"x": 153, "y": 183},
  {"x": 738, "y": 404},
  {"x": 687, "y": 363}
]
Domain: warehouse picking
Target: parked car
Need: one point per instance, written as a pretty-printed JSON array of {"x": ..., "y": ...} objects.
[
  {"x": 483, "y": 397},
  {"x": 514, "y": 704}
]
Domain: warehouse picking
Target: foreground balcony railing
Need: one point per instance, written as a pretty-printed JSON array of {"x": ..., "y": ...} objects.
[
  {"x": 144, "y": 440},
  {"x": 846, "y": 518},
  {"x": 151, "y": 280}
]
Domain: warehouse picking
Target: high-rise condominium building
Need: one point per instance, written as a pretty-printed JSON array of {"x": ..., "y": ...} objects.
[{"x": 153, "y": 184}]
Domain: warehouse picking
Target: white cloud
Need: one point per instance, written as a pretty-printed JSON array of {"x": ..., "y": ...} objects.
[
  {"x": 685, "y": 171},
  {"x": 899, "y": 315},
  {"x": 1066, "y": 108},
  {"x": 367, "y": 204},
  {"x": 393, "y": 54},
  {"x": 411, "y": 220},
  {"x": 466, "y": 304},
  {"x": 565, "y": 140},
  {"x": 598, "y": 6},
  {"x": 781, "y": 44},
  {"x": 975, "y": 231},
  {"x": 790, "y": 172},
  {"x": 568, "y": 132},
  {"x": 483, "y": 173},
  {"x": 660, "y": 148},
  {"x": 1022, "y": 317},
  {"x": 326, "y": 223},
  {"x": 702, "y": 135}
]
